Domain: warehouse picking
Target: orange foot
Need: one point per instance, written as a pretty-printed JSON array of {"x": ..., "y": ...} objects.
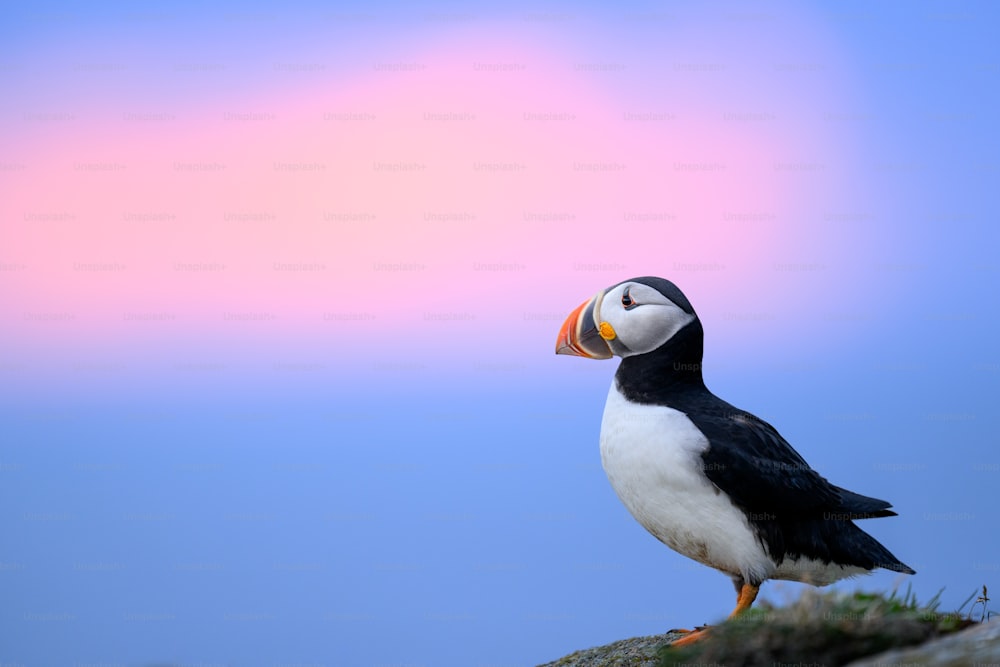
[
  {"x": 745, "y": 598},
  {"x": 690, "y": 636}
]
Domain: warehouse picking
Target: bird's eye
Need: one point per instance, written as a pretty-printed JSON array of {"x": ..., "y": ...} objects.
[{"x": 627, "y": 300}]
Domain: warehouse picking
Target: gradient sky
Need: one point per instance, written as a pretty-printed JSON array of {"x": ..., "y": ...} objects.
[{"x": 279, "y": 290}]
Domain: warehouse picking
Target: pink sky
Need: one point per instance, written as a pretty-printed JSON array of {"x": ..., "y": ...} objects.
[{"x": 481, "y": 184}]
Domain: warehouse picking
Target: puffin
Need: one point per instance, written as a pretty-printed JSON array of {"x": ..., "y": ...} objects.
[{"x": 711, "y": 481}]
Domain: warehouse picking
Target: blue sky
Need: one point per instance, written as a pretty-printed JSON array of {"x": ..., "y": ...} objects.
[{"x": 434, "y": 496}]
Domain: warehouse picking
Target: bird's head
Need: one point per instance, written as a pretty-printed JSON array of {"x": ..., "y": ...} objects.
[{"x": 633, "y": 317}]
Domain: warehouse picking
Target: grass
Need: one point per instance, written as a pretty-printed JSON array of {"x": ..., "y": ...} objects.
[{"x": 830, "y": 628}]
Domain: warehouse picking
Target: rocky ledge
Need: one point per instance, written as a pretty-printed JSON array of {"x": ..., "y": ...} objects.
[{"x": 830, "y": 629}]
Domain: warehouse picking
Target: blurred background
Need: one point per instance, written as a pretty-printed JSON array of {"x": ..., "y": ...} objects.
[{"x": 280, "y": 287}]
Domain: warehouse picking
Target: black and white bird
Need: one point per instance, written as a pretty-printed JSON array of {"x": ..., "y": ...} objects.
[{"x": 709, "y": 480}]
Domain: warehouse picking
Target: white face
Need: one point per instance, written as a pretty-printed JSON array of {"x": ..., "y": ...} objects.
[{"x": 643, "y": 319}]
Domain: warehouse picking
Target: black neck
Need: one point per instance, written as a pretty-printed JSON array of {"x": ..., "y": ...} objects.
[{"x": 674, "y": 366}]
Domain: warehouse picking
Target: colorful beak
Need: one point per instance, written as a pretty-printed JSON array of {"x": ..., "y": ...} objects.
[{"x": 580, "y": 335}]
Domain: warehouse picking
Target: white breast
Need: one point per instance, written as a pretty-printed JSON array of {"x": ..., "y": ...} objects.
[{"x": 651, "y": 455}]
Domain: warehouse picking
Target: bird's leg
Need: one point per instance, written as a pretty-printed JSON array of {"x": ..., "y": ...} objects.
[
  {"x": 744, "y": 598},
  {"x": 745, "y": 595}
]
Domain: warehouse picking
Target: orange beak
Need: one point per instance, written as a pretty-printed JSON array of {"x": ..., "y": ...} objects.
[{"x": 579, "y": 334}]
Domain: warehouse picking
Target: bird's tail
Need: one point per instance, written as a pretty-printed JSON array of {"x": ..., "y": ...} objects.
[
  {"x": 857, "y": 547},
  {"x": 857, "y": 506}
]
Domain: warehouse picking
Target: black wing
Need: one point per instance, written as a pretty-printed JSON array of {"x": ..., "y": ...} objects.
[{"x": 749, "y": 460}]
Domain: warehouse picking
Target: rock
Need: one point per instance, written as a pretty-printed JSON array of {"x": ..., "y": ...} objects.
[
  {"x": 979, "y": 645},
  {"x": 635, "y": 652},
  {"x": 860, "y": 629}
]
